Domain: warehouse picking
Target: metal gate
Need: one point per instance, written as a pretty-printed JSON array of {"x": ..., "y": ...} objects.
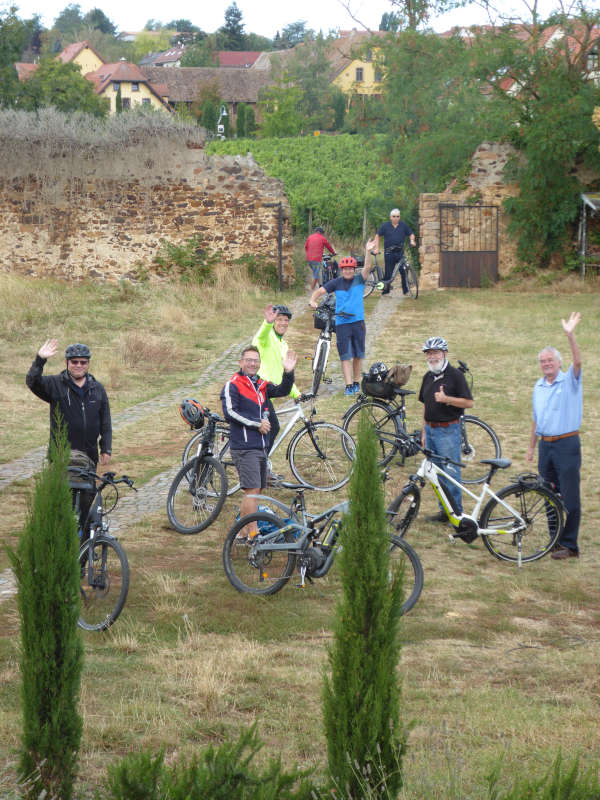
[{"x": 468, "y": 245}]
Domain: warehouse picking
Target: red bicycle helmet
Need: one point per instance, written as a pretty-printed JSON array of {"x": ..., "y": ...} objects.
[
  {"x": 192, "y": 412},
  {"x": 347, "y": 261}
]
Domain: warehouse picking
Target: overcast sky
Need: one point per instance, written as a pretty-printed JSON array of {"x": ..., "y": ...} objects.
[{"x": 259, "y": 16}]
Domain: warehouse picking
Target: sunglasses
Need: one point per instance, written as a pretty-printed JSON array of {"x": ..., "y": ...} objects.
[{"x": 81, "y": 362}]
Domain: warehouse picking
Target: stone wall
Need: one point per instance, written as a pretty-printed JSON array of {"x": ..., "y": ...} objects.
[
  {"x": 485, "y": 185},
  {"x": 104, "y": 218}
]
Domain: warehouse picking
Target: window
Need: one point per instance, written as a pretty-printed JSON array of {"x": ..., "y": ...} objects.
[
  {"x": 145, "y": 101},
  {"x": 378, "y": 76},
  {"x": 592, "y": 60},
  {"x": 359, "y": 74},
  {"x": 126, "y": 103},
  {"x": 115, "y": 86},
  {"x": 135, "y": 87}
]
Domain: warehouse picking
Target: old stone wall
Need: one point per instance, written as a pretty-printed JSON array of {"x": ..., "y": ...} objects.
[
  {"x": 485, "y": 185},
  {"x": 105, "y": 217}
]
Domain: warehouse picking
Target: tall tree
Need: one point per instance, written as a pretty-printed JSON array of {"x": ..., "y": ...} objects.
[
  {"x": 15, "y": 35},
  {"x": 294, "y": 33},
  {"x": 414, "y": 14},
  {"x": 361, "y": 696},
  {"x": 51, "y": 651},
  {"x": 97, "y": 20},
  {"x": 69, "y": 20},
  {"x": 202, "y": 53},
  {"x": 233, "y": 30},
  {"x": 62, "y": 86}
]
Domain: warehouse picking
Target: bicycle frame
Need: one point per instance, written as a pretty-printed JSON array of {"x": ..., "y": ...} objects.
[{"x": 297, "y": 413}]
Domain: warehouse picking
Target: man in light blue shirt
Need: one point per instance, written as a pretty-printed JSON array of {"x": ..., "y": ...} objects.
[{"x": 557, "y": 411}]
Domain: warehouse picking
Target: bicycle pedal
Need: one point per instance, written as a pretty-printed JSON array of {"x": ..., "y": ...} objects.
[{"x": 326, "y": 380}]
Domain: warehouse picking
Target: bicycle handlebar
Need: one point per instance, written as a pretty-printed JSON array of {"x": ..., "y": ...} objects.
[
  {"x": 107, "y": 478},
  {"x": 426, "y": 451}
]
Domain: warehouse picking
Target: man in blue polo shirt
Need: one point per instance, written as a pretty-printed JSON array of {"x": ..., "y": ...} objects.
[
  {"x": 349, "y": 316},
  {"x": 557, "y": 412}
]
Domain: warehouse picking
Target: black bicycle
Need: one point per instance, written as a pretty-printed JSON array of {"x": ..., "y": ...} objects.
[
  {"x": 308, "y": 541},
  {"x": 387, "y": 412},
  {"x": 103, "y": 565},
  {"x": 376, "y": 280},
  {"x": 199, "y": 489}
]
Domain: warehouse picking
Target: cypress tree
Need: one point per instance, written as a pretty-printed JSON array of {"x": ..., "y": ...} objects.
[
  {"x": 119, "y": 101},
  {"x": 240, "y": 121},
  {"x": 47, "y": 571},
  {"x": 361, "y": 697},
  {"x": 250, "y": 122}
]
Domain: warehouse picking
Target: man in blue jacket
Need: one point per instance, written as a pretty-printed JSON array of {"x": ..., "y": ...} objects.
[{"x": 245, "y": 406}]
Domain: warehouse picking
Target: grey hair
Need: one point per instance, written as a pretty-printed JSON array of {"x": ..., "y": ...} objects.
[
  {"x": 395, "y": 211},
  {"x": 552, "y": 350}
]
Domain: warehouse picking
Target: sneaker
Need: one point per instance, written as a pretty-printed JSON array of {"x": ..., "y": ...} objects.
[
  {"x": 355, "y": 387},
  {"x": 349, "y": 390},
  {"x": 439, "y": 517}
]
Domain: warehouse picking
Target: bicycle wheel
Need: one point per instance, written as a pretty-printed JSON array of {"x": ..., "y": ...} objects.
[
  {"x": 412, "y": 282},
  {"x": 403, "y": 557},
  {"x": 103, "y": 593},
  {"x": 263, "y": 571},
  {"x": 223, "y": 453},
  {"x": 403, "y": 510},
  {"x": 478, "y": 441},
  {"x": 190, "y": 450},
  {"x": 371, "y": 281},
  {"x": 197, "y": 495},
  {"x": 321, "y": 456},
  {"x": 381, "y": 415},
  {"x": 319, "y": 367},
  {"x": 543, "y": 514}
]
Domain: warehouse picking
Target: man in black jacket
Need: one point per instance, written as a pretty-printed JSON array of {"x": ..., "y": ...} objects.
[{"x": 80, "y": 397}]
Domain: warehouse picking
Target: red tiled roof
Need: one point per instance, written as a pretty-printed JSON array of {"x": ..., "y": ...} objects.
[
  {"x": 237, "y": 58},
  {"x": 25, "y": 70},
  {"x": 123, "y": 71}
]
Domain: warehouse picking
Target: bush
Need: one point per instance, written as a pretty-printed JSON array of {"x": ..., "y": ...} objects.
[
  {"x": 261, "y": 271},
  {"x": 561, "y": 782},
  {"x": 225, "y": 773},
  {"x": 191, "y": 260}
]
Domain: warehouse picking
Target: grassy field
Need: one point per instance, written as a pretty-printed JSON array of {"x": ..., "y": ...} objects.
[{"x": 495, "y": 660}]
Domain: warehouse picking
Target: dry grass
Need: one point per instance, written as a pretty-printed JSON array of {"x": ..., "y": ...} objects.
[{"x": 495, "y": 660}]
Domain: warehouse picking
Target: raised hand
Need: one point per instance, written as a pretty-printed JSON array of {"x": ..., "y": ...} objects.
[
  {"x": 270, "y": 314},
  {"x": 48, "y": 349},
  {"x": 289, "y": 362},
  {"x": 570, "y": 325}
]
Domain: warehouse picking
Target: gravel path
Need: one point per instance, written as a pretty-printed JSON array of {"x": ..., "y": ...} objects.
[{"x": 151, "y": 497}]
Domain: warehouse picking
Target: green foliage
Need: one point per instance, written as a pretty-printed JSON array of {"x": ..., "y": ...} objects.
[
  {"x": 335, "y": 176},
  {"x": 261, "y": 271},
  {"x": 209, "y": 116},
  {"x": 250, "y": 122},
  {"x": 69, "y": 20},
  {"x": 14, "y": 37},
  {"x": 201, "y": 54},
  {"x": 62, "y": 86},
  {"x": 119, "y": 101},
  {"x": 145, "y": 44},
  {"x": 361, "y": 697},
  {"x": 191, "y": 260},
  {"x": 240, "y": 121},
  {"x": 96, "y": 19},
  {"x": 47, "y": 572},
  {"x": 224, "y": 773},
  {"x": 233, "y": 30},
  {"x": 281, "y": 112},
  {"x": 561, "y": 782}
]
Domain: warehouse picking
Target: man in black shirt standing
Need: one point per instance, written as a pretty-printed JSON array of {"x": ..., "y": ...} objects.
[
  {"x": 444, "y": 394},
  {"x": 394, "y": 233}
]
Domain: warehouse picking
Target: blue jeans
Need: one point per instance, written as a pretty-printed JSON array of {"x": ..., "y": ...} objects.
[
  {"x": 446, "y": 442},
  {"x": 560, "y": 462}
]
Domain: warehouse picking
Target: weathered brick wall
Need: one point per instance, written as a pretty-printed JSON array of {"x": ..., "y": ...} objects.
[
  {"x": 103, "y": 218},
  {"x": 485, "y": 185}
]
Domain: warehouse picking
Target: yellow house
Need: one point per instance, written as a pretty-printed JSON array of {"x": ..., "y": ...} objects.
[
  {"x": 82, "y": 54},
  {"x": 356, "y": 64}
]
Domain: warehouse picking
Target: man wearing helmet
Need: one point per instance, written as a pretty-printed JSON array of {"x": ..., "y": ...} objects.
[
  {"x": 349, "y": 316},
  {"x": 81, "y": 399},
  {"x": 314, "y": 246},
  {"x": 273, "y": 349},
  {"x": 444, "y": 394}
]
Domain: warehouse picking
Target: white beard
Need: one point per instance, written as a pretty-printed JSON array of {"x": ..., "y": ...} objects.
[{"x": 437, "y": 367}]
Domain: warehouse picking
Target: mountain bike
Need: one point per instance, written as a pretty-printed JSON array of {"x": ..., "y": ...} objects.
[
  {"x": 479, "y": 442},
  {"x": 520, "y": 523},
  {"x": 103, "y": 565},
  {"x": 376, "y": 276},
  {"x": 199, "y": 489},
  {"x": 329, "y": 269},
  {"x": 325, "y": 322},
  {"x": 320, "y": 453},
  {"x": 297, "y": 538}
]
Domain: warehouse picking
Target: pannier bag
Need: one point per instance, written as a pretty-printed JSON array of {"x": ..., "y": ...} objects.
[{"x": 322, "y": 313}]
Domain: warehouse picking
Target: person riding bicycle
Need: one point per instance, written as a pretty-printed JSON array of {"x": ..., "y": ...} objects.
[
  {"x": 314, "y": 246},
  {"x": 244, "y": 399},
  {"x": 272, "y": 349},
  {"x": 82, "y": 401},
  {"x": 445, "y": 394},
  {"x": 394, "y": 234},
  {"x": 350, "y": 316}
]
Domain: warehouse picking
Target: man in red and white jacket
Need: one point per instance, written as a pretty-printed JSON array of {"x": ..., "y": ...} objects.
[{"x": 245, "y": 406}]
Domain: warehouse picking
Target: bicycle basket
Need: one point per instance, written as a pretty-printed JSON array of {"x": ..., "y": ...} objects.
[
  {"x": 324, "y": 312},
  {"x": 399, "y": 374},
  {"x": 380, "y": 389}
]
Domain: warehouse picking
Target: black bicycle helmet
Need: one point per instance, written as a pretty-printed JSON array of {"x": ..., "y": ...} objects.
[
  {"x": 435, "y": 343},
  {"x": 283, "y": 310},
  {"x": 77, "y": 350},
  {"x": 192, "y": 412},
  {"x": 377, "y": 372},
  {"x": 319, "y": 229}
]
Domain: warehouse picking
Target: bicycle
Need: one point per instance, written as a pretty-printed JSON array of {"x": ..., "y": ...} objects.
[
  {"x": 325, "y": 322},
  {"x": 479, "y": 442},
  {"x": 537, "y": 521},
  {"x": 320, "y": 453},
  {"x": 103, "y": 565},
  {"x": 263, "y": 565},
  {"x": 376, "y": 279},
  {"x": 199, "y": 489},
  {"x": 329, "y": 269},
  {"x": 220, "y": 445}
]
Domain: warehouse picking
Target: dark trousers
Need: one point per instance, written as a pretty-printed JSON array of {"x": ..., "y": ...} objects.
[
  {"x": 390, "y": 262},
  {"x": 560, "y": 463},
  {"x": 275, "y": 426}
]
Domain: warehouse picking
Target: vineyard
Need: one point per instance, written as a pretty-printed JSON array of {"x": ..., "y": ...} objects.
[{"x": 336, "y": 177}]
